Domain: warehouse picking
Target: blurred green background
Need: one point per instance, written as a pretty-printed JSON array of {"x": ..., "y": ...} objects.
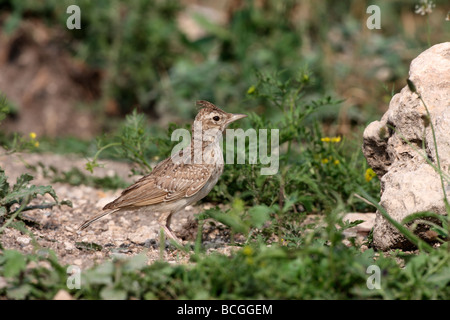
[{"x": 160, "y": 56}]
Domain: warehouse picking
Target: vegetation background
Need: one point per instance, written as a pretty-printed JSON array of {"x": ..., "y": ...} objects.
[{"x": 309, "y": 68}]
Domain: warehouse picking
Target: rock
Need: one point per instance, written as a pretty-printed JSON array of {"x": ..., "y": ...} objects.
[
  {"x": 364, "y": 227},
  {"x": 62, "y": 295},
  {"x": 3, "y": 283},
  {"x": 23, "y": 241},
  {"x": 408, "y": 183},
  {"x": 142, "y": 234},
  {"x": 78, "y": 262},
  {"x": 68, "y": 246}
]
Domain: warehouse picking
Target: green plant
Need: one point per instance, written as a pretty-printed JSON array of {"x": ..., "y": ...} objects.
[
  {"x": 15, "y": 200},
  {"x": 315, "y": 172},
  {"x": 135, "y": 142},
  {"x": 15, "y": 142}
]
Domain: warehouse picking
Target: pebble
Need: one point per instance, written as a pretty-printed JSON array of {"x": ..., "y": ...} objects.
[
  {"x": 366, "y": 226},
  {"x": 3, "y": 283},
  {"x": 62, "y": 295},
  {"x": 78, "y": 262},
  {"x": 68, "y": 246},
  {"x": 142, "y": 234},
  {"x": 23, "y": 241}
]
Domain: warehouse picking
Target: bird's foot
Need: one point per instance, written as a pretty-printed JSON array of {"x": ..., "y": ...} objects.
[{"x": 169, "y": 233}]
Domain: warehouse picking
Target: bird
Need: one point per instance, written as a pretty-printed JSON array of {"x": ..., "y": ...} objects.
[{"x": 183, "y": 178}]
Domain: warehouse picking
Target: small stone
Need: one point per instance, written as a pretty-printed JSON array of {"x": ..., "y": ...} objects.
[
  {"x": 142, "y": 234},
  {"x": 78, "y": 262},
  {"x": 68, "y": 246},
  {"x": 124, "y": 222},
  {"x": 111, "y": 173},
  {"x": 62, "y": 295},
  {"x": 23, "y": 241},
  {"x": 3, "y": 283},
  {"x": 366, "y": 226}
]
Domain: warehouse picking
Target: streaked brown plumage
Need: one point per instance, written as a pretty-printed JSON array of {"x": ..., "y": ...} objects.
[{"x": 175, "y": 183}]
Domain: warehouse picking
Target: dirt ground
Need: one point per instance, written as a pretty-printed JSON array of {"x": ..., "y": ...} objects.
[
  {"x": 120, "y": 234},
  {"x": 116, "y": 235}
]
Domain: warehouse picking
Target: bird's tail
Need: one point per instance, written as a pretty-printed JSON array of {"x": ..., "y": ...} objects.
[{"x": 87, "y": 223}]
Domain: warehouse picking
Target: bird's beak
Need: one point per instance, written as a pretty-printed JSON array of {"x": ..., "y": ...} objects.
[{"x": 236, "y": 116}]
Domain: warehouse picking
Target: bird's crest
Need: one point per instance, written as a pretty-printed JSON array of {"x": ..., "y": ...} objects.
[{"x": 203, "y": 104}]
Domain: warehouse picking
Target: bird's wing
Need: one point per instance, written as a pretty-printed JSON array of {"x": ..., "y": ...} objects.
[{"x": 169, "y": 181}]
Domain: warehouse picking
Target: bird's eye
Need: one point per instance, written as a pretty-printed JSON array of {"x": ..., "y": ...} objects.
[{"x": 216, "y": 118}]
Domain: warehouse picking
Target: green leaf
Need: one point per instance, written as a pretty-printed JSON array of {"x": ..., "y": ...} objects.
[
  {"x": 259, "y": 215},
  {"x": 19, "y": 293},
  {"x": 28, "y": 193},
  {"x": 411, "y": 85},
  {"x": 14, "y": 263},
  {"x": 136, "y": 263},
  {"x": 90, "y": 246},
  {"x": 348, "y": 225},
  {"x": 22, "y": 181},
  {"x": 232, "y": 220},
  {"x": 424, "y": 214},
  {"x": 441, "y": 279},
  {"x": 4, "y": 185},
  {"x": 2, "y": 211},
  {"x": 99, "y": 275},
  {"x": 66, "y": 202},
  {"x": 111, "y": 293}
]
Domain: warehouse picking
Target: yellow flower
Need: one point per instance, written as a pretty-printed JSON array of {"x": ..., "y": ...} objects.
[
  {"x": 324, "y": 160},
  {"x": 251, "y": 90},
  {"x": 369, "y": 174},
  {"x": 33, "y": 135},
  {"x": 36, "y": 144},
  {"x": 336, "y": 162},
  {"x": 248, "y": 251},
  {"x": 333, "y": 139},
  {"x": 336, "y": 139},
  {"x": 305, "y": 78}
]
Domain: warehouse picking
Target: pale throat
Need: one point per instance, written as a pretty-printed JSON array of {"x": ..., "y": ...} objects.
[{"x": 208, "y": 145}]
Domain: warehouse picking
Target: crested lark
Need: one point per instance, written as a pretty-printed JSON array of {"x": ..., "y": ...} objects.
[{"x": 181, "y": 179}]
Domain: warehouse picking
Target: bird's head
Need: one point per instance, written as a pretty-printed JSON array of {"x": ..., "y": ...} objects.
[{"x": 213, "y": 118}]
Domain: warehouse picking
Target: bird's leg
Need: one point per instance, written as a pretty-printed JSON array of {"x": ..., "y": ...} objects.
[{"x": 164, "y": 222}]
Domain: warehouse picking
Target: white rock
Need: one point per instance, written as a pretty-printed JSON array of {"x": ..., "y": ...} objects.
[
  {"x": 3, "y": 283},
  {"x": 62, "y": 295},
  {"x": 68, "y": 246},
  {"x": 408, "y": 183},
  {"x": 24, "y": 241},
  {"x": 142, "y": 234},
  {"x": 78, "y": 262},
  {"x": 364, "y": 227}
]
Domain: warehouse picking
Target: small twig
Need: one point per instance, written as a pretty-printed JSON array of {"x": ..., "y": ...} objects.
[
  {"x": 40, "y": 206},
  {"x": 13, "y": 216},
  {"x": 364, "y": 200}
]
